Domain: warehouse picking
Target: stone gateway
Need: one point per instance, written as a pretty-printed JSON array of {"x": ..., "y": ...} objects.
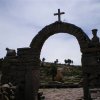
[{"x": 24, "y": 67}]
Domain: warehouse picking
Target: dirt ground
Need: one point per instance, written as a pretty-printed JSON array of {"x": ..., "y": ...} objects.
[{"x": 63, "y": 94}]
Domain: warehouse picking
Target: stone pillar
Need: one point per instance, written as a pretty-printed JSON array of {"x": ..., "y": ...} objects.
[
  {"x": 32, "y": 72},
  {"x": 85, "y": 77},
  {"x": 91, "y": 70},
  {"x": 86, "y": 88}
]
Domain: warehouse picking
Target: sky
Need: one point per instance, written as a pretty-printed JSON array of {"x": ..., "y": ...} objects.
[{"x": 21, "y": 20}]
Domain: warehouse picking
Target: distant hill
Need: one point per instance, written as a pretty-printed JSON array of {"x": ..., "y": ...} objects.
[{"x": 71, "y": 73}]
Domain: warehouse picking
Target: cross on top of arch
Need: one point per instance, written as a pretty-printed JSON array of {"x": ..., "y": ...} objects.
[{"x": 59, "y": 15}]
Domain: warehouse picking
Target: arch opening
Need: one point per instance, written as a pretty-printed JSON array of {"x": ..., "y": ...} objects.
[
  {"x": 61, "y": 46},
  {"x": 66, "y": 71}
]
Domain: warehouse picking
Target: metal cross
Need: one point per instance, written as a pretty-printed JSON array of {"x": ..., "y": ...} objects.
[{"x": 59, "y": 15}]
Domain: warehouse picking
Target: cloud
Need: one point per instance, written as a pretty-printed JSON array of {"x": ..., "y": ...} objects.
[{"x": 21, "y": 20}]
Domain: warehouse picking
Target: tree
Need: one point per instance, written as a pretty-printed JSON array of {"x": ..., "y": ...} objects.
[
  {"x": 65, "y": 61},
  {"x": 68, "y": 61},
  {"x": 43, "y": 60},
  {"x": 56, "y": 62}
]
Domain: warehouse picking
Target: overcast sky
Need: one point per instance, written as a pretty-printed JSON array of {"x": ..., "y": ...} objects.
[{"x": 21, "y": 20}]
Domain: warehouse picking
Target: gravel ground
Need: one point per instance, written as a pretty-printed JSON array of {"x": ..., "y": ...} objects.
[{"x": 63, "y": 94}]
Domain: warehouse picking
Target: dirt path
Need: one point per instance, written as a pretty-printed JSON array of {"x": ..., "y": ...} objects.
[{"x": 63, "y": 94}]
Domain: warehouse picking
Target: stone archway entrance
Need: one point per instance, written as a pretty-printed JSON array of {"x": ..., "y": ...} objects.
[
  {"x": 58, "y": 27},
  {"x": 23, "y": 68}
]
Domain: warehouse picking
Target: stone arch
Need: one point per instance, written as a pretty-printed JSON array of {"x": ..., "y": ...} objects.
[{"x": 58, "y": 27}]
